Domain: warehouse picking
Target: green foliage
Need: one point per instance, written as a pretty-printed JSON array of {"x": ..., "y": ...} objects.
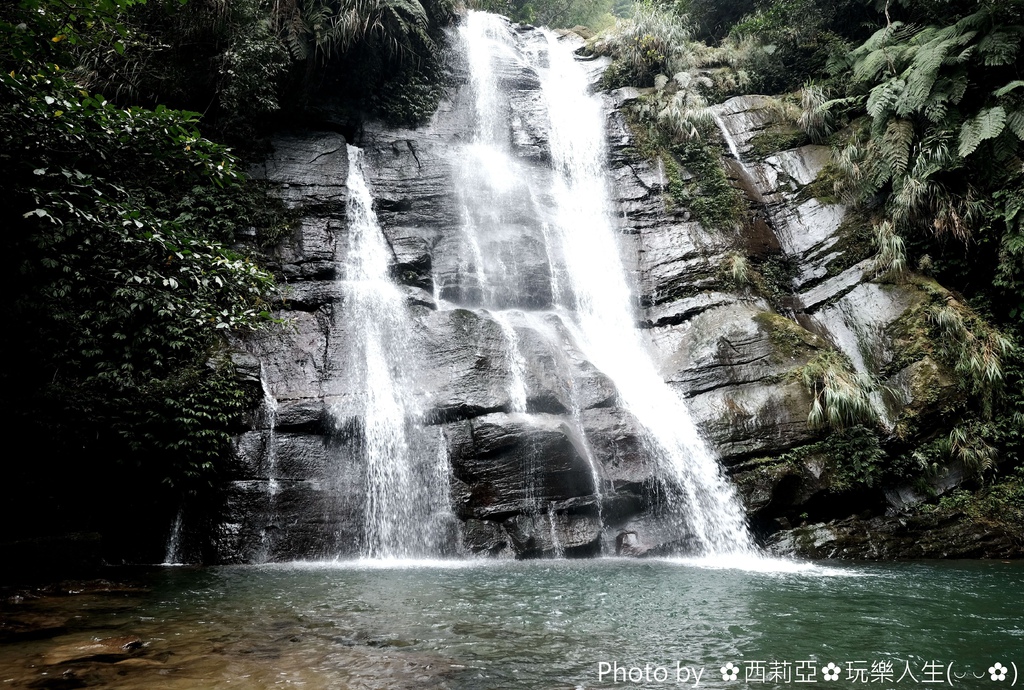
[
  {"x": 796, "y": 39},
  {"x": 230, "y": 213},
  {"x": 892, "y": 254},
  {"x": 713, "y": 19},
  {"x": 939, "y": 101},
  {"x": 789, "y": 339},
  {"x": 557, "y": 14},
  {"x": 45, "y": 29},
  {"x": 737, "y": 269},
  {"x": 653, "y": 41},
  {"x": 241, "y": 62},
  {"x": 770, "y": 141},
  {"x": 999, "y": 503},
  {"x": 121, "y": 292},
  {"x": 396, "y": 29},
  {"x": 708, "y": 194},
  {"x": 971, "y": 346},
  {"x": 819, "y": 115},
  {"x": 658, "y": 41},
  {"x": 841, "y": 397},
  {"x": 706, "y": 191},
  {"x": 855, "y": 458}
]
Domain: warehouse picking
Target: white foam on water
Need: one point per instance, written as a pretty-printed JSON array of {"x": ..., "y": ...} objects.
[{"x": 755, "y": 563}]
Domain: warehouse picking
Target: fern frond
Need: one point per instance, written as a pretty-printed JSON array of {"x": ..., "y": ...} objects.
[
  {"x": 899, "y": 135},
  {"x": 920, "y": 77},
  {"x": 871, "y": 65},
  {"x": 885, "y": 97},
  {"x": 1013, "y": 85},
  {"x": 1000, "y": 47},
  {"x": 987, "y": 124},
  {"x": 1015, "y": 122}
]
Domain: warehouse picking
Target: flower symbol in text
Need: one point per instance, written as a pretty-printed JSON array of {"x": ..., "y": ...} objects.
[
  {"x": 830, "y": 672},
  {"x": 998, "y": 671},
  {"x": 729, "y": 671}
]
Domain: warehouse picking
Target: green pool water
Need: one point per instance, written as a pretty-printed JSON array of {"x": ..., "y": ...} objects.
[{"x": 541, "y": 624}]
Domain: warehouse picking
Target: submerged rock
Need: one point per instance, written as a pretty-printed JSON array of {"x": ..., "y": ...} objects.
[{"x": 107, "y": 650}]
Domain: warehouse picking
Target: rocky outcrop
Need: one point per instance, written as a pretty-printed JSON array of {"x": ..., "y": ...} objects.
[
  {"x": 884, "y": 538},
  {"x": 568, "y": 473},
  {"x": 840, "y": 300}
]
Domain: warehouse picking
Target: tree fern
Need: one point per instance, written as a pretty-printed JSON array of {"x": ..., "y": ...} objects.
[
  {"x": 871, "y": 65},
  {"x": 920, "y": 77}
]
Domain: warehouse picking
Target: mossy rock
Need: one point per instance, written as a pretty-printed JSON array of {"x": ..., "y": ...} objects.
[
  {"x": 791, "y": 341},
  {"x": 757, "y": 485},
  {"x": 696, "y": 176},
  {"x": 778, "y": 137},
  {"x": 930, "y": 389},
  {"x": 823, "y": 188}
]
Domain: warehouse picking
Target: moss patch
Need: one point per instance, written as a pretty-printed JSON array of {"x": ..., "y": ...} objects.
[
  {"x": 772, "y": 140},
  {"x": 775, "y": 277},
  {"x": 706, "y": 192},
  {"x": 788, "y": 338},
  {"x": 709, "y": 195},
  {"x": 823, "y": 187},
  {"x": 856, "y": 243},
  {"x": 999, "y": 504}
]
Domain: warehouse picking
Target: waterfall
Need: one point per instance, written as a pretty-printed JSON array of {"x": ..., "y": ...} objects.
[
  {"x": 269, "y": 414},
  {"x": 270, "y": 407},
  {"x": 406, "y": 489},
  {"x": 172, "y": 553},
  {"x": 517, "y": 364},
  {"x": 593, "y": 296}
]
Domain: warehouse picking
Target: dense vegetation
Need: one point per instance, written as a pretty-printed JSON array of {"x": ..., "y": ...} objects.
[
  {"x": 133, "y": 236},
  {"x": 922, "y": 104}
]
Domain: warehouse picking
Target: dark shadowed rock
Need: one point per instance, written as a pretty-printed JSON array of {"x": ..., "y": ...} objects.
[{"x": 516, "y": 463}]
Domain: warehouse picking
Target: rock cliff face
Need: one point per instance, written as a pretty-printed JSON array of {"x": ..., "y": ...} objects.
[{"x": 570, "y": 474}]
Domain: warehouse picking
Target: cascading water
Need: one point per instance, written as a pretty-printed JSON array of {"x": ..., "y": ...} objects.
[
  {"x": 603, "y": 311},
  {"x": 406, "y": 489},
  {"x": 517, "y": 364},
  {"x": 270, "y": 407},
  {"x": 496, "y": 193},
  {"x": 269, "y": 413},
  {"x": 593, "y": 296},
  {"x": 172, "y": 552}
]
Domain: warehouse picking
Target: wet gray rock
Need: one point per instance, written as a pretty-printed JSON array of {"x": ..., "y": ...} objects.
[
  {"x": 516, "y": 464},
  {"x": 485, "y": 537},
  {"x": 309, "y": 169},
  {"x": 554, "y": 534}
]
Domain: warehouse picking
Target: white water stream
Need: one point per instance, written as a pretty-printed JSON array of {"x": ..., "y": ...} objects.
[
  {"x": 406, "y": 493},
  {"x": 596, "y": 300}
]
